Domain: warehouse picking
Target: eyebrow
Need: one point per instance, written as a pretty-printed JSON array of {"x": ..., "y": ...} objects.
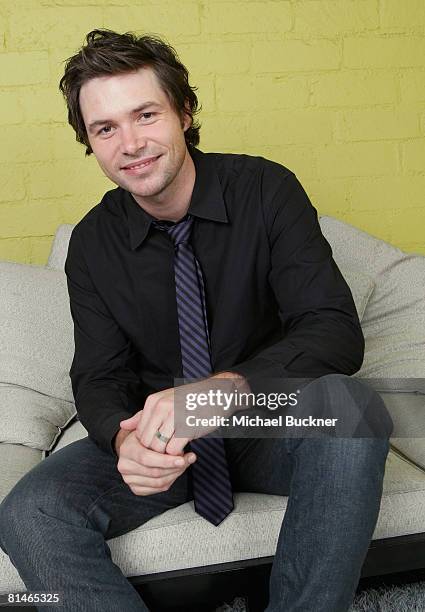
[{"x": 140, "y": 108}]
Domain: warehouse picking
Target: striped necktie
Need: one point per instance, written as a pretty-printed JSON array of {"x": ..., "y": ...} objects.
[{"x": 212, "y": 489}]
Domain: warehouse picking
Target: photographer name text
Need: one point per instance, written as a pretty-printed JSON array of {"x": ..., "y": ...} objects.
[{"x": 258, "y": 421}]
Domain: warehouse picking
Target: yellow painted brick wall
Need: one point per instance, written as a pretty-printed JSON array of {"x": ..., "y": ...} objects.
[{"x": 333, "y": 89}]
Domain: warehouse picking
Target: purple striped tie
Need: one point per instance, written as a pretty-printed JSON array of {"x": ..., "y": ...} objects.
[{"x": 212, "y": 489}]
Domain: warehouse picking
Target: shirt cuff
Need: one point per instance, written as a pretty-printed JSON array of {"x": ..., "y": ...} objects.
[{"x": 104, "y": 437}]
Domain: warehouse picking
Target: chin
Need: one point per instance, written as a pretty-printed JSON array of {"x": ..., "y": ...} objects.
[
  {"x": 134, "y": 187},
  {"x": 145, "y": 191}
]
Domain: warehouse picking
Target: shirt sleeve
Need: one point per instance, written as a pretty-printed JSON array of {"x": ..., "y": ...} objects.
[
  {"x": 99, "y": 374},
  {"x": 321, "y": 332}
]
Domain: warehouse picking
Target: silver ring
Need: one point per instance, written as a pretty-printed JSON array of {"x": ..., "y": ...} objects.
[{"x": 161, "y": 437}]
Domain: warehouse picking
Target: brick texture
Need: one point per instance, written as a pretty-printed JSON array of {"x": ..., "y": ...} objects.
[{"x": 332, "y": 89}]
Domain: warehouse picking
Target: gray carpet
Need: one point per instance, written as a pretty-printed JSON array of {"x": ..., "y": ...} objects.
[{"x": 405, "y": 598}]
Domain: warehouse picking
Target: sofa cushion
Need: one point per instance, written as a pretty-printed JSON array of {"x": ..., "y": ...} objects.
[{"x": 36, "y": 349}]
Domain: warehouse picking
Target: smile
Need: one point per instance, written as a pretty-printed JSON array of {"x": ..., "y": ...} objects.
[{"x": 140, "y": 165}]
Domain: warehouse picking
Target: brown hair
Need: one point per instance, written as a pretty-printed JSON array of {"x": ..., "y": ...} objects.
[{"x": 110, "y": 53}]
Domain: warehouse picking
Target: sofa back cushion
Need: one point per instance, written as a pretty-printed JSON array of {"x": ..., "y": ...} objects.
[
  {"x": 59, "y": 249},
  {"x": 394, "y": 318},
  {"x": 36, "y": 350}
]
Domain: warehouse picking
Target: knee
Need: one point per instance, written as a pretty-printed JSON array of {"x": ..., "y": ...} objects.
[
  {"x": 360, "y": 409},
  {"x": 32, "y": 502}
]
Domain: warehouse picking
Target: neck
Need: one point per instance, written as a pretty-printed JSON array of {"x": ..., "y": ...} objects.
[{"x": 172, "y": 203}]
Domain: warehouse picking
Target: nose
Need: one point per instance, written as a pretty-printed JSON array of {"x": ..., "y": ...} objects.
[{"x": 132, "y": 140}]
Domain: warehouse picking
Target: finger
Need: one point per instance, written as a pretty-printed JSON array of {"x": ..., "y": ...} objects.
[
  {"x": 153, "y": 483},
  {"x": 158, "y": 419},
  {"x": 147, "y": 491},
  {"x": 151, "y": 458},
  {"x": 148, "y": 415},
  {"x": 166, "y": 429},
  {"x": 132, "y": 468}
]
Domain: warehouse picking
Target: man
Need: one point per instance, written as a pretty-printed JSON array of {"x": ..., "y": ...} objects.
[{"x": 205, "y": 266}]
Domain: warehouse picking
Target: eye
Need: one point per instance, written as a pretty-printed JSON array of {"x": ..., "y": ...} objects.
[
  {"x": 147, "y": 115},
  {"x": 105, "y": 130}
]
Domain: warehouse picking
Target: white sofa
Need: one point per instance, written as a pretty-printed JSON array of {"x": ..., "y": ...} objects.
[{"x": 38, "y": 414}]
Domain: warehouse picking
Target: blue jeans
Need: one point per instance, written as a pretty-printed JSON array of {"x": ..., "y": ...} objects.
[{"x": 55, "y": 522}]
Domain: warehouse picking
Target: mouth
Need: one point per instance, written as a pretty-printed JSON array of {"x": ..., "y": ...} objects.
[{"x": 139, "y": 165}]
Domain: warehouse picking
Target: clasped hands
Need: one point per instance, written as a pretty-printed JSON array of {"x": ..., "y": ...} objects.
[{"x": 147, "y": 464}]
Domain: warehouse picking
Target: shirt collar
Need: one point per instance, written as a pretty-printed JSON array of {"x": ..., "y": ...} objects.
[{"x": 207, "y": 200}]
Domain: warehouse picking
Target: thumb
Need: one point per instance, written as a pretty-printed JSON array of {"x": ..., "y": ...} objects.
[{"x": 130, "y": 423}]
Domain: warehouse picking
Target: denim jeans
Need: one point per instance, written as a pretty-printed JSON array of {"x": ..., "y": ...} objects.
[{"x": 55, "y": 522}]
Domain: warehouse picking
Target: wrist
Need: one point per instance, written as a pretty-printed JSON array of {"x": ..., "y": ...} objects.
[
  {"x": 232, "y": 375},
  {"x": 240, "y": 385}
]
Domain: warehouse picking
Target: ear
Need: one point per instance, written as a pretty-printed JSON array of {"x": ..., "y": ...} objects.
[{"x": 186, "y": 118}]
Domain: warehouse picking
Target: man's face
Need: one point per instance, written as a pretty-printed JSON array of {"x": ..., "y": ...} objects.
[{"x": 135, "y": 134}]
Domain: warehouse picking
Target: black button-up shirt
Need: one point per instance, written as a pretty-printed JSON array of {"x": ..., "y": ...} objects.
[{"x": 277, "y": 304}]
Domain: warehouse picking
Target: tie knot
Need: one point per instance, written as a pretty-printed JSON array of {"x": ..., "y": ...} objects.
[{"x": 178, "y": 232}]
